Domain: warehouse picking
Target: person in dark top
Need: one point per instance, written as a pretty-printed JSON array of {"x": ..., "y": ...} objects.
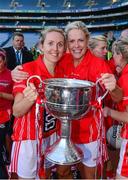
[{"x": 17, "y": 54}]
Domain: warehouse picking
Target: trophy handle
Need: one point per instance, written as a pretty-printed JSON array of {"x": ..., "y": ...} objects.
[
  {"x": 39, "y": 100},
  {"x": 104, "y": 95},
  {"x": 34, "y": 76}
]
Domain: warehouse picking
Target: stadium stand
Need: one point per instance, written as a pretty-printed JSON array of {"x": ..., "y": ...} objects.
[{"x": 34, "y": 15}]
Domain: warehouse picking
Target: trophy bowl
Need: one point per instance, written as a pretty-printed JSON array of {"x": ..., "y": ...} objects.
[{"x": 67, "y": 98}]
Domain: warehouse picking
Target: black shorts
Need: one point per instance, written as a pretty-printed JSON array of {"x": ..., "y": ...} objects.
[
  {"x": 3, "y": 151},
  {"x": 3, "y": 172},
  {"x": 9, "y": 126}
]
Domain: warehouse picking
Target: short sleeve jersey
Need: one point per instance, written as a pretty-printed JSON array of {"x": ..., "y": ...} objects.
[
  {"x": 86, "y": 129},
  {"x": 24, "y": 127}
]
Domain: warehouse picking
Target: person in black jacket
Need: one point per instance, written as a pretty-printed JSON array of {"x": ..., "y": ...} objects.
[{"x": 17, "y": 53}]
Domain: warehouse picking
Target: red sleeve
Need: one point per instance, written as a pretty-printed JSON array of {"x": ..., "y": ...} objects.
[
  {"x": 123, "y": 84},
  {"x": 20, "y": 86}
]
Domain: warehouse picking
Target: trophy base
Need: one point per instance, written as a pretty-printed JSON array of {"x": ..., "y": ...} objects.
[{"x": 64, "y": 152}]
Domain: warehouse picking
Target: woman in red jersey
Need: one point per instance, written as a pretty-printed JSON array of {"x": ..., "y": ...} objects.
[
  {"x": 98, "y": 46},
  {"x": 120, "y": 55},
  {"x": 6, "y": 100},
  {"x": 80, "y": 63},
  {"x": 24, "y": 160}
]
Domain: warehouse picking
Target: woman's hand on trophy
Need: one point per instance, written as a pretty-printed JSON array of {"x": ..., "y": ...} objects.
[
  {"x": 109, "y": 81},
  {"x": 30, "y": 93},
  {"x": 19, "y": 75}
]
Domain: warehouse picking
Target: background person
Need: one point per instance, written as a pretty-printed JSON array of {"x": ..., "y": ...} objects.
[
  {"x": 37, "y": 49},
  {"x": 17, "y": 54},
  {"x": 110, "y": 40},
  {"x": 6, "y": 100},
  {"x": 124, "y": 34},
  {"x": 120, "y": 55},
  {"x": 98, "y": 46}
]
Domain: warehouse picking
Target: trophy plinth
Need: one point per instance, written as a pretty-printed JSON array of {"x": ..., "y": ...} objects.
[
  {"x": 66, "y": 99},
  {"x": 64, "y": 152}
]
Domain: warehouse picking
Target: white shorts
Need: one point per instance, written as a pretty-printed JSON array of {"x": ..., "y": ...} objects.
[
  {"x": 122, "y": 168},
  {"x": 24, "y": 158},
  {"x": 90, "y": 151},
  {"x": 47, "y": 142}
]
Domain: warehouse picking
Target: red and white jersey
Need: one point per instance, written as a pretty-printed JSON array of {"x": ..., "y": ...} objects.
[
  {"x": 24, "y": 127},
  {"x": 6, "y": 85},
  {"x": 122, "y": 105},
  {"x": 86, "y": 129}
]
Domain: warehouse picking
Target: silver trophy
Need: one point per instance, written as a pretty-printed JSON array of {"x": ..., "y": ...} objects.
[{"x": 66, "y": 99}]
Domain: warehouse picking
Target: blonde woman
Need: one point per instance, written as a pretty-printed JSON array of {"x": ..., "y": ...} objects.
[{"x": 98, "y": 46}]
